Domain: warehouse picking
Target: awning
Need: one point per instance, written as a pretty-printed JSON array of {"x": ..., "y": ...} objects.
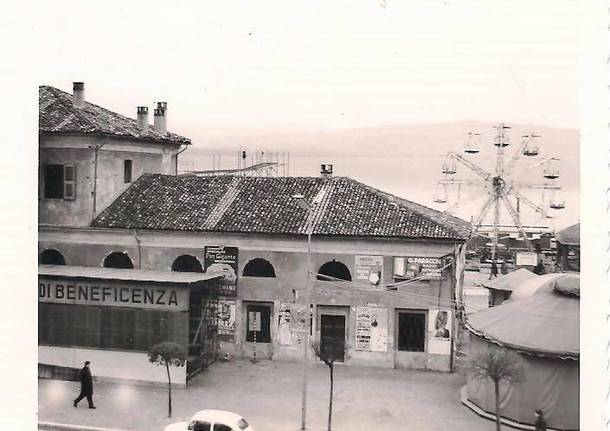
[{"x": 138, "y": 275}]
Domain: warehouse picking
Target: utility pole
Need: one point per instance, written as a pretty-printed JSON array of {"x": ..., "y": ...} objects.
[{"x": 307, "y": 297}]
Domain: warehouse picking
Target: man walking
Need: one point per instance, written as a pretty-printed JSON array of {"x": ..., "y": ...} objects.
[
  {"x": 540, "y": 423},
  {"x": 494, "y": 269},
  {"x": 86, "y": 386}
]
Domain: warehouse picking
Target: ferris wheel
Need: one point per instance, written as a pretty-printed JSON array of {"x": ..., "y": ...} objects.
[{"x": 503, "y": 182}]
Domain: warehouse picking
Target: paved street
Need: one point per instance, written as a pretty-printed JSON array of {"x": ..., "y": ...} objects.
[
  {"x": 268, "y": 395},
  {"x": 475, "y": 296}
]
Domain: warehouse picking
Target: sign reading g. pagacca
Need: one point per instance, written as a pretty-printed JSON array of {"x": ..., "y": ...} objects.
[{"x": 116, "y": 295}]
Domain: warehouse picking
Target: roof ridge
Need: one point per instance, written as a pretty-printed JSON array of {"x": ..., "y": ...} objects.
[{"x": 222, "y": 205}]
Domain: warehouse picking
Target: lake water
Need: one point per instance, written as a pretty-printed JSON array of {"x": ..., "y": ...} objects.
[{"x": 414, "y": 178}]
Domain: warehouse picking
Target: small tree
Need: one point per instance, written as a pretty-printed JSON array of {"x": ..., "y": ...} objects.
[
  {"x": 329, "y": 353},
  {"x": 168, "y": 353},
  {"x": 497, "y": 364}
]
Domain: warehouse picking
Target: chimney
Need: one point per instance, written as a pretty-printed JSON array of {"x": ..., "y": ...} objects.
[
  {"x": 326, "y": 170},
  {"x": 79, "y": 94},
  {"x": 143, "y": 118},
  {"x": 160, "y": 123}
]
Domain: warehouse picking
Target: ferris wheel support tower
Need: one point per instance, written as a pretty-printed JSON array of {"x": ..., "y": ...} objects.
[{"x": 497, "y": 183}]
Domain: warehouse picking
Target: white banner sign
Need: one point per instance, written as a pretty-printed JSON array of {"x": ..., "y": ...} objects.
[
  {"x": 115, "y": 294},
  {"x": 526, "y": 259}
]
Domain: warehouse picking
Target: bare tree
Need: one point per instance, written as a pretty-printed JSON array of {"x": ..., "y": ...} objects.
[
  {"x": 329, "y": 353},
  {"x": 166, "y": 354},
  {"x": 497, "y": 364}
]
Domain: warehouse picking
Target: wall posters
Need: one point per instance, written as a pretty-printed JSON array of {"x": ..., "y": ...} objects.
[
  {"x": 224, "y": 260},
  {"x": 371, "y": 329},
  {"x": 226, "y": 318},
  {"x": 369, "y": 268},
  {"x": 426, "y": 268},
  {"x": 439, "y": 332},
  {"x": 291, "y": 324}
]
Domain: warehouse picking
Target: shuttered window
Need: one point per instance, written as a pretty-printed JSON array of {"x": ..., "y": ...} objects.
[
  {"x": 60, "y": 182},
  {"x": 118, "y": 328},
  {"x": 69, "y": 182}
]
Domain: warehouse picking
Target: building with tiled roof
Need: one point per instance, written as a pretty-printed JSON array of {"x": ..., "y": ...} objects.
[
  {"x": 58, "y": 115},
  {"x": 377, "y": 274},
  {"x": 264, "y": 205},
  {"x": 89, "y": 155}
]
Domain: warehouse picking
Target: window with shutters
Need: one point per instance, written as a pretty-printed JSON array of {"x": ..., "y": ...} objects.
[
  {"x": 69, "y": 182},
  {"x": 60, "y": 181}
]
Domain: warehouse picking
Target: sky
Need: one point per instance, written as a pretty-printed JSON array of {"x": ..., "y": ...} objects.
[
  {"x": 269, "y": 66},
  {"x": 229, "y": 68}
]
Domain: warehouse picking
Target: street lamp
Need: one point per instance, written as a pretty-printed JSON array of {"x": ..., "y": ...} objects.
[{"x": 302, "y": 202}]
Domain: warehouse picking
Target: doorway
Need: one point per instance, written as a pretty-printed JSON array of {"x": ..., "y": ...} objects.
[
  {"x": 410, "y": 339},
  {"x": 332, "y": 335}
]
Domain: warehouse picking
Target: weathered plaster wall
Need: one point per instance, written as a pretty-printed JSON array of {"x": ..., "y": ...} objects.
[
  {"x": 77, "y": 150},
  {"x": 157, "y": 250}
]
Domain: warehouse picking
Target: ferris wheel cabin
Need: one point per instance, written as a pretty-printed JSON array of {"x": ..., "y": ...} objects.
[{"x": 550, "y": 169}]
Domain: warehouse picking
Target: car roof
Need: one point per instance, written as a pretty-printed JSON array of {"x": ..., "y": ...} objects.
[{"x": 211, "y": 415}]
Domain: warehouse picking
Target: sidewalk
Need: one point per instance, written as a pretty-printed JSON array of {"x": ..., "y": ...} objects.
[{"x": 268, "y": 395}]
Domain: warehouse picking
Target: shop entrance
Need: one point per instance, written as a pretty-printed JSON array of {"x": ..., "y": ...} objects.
[
  {"x": 257, "y": 324},
  {"x": 332, "y": 335},
  {"x": 410, "y": 339}
]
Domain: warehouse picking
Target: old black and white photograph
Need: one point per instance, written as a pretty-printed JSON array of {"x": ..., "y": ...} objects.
[{"x": 317, "y": 215}]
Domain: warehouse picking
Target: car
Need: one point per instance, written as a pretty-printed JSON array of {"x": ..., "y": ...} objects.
[{"x": 212, "y": 420}]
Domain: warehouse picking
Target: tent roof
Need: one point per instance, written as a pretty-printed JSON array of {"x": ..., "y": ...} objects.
[
  {"x": 569, "y": 235},
  {"x": 510, "y": 281},
  {"x": 544, "y": 322}
]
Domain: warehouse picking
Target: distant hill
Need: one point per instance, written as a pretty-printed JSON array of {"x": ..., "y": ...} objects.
[{"x": 394, "y": 141}]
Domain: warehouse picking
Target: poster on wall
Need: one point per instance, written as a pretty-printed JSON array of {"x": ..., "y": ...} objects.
[
  {"x": 223, "y": 260},
  {"x": 370, "y": 269},
  {"x": 291, "y": 324},
  {"x": 371, "y": 329},
  {"x": 425, "y": 268},
  {"x": 439, "y": 332},
  {"x": 226, "y": 318}
]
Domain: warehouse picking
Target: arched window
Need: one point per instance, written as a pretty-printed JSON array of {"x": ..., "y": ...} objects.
[
  {"x": 118, "y": 260},
  {"x": 334, "y": 270},
  {"x": 259, "y": 268},
  {"x": 186, "y": 263},
  {"x": 51, "y": 257}
]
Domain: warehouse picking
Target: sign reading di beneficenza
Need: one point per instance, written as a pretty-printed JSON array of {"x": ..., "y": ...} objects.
[{"x": 116, "y": 295}]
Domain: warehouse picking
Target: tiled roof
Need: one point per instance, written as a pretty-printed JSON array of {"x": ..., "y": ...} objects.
[
  {"x": 344, "y": 207},
  {"x": 57, "y": 114}
]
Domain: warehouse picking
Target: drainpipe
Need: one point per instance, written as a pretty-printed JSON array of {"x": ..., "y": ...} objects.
[
  {"x": 177, "y": 154},
  {"x": 95, "y": 149},
  {"x": 135, "y": 236}
]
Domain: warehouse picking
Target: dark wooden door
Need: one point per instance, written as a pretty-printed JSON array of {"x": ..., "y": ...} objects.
[{"x": 332, "y": 335}]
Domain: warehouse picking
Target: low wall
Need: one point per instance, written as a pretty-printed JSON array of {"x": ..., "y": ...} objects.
[{"x": 111, "y": 365}]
